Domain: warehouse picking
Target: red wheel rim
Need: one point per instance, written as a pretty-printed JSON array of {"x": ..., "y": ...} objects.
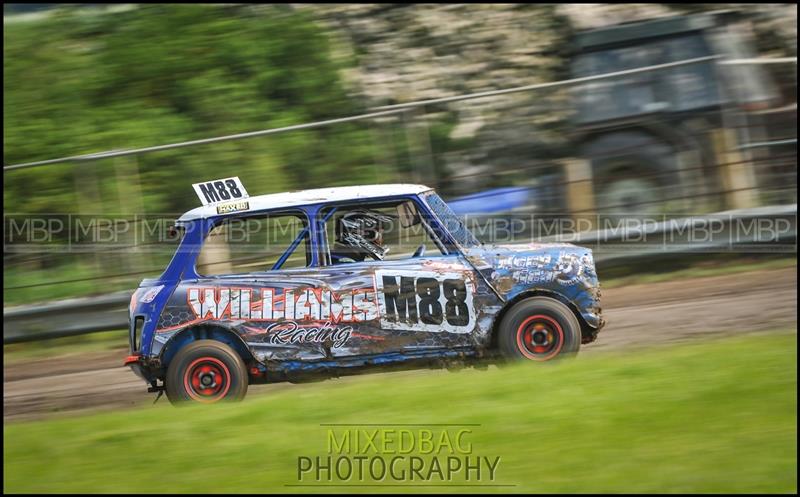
[
  {"x": 207, "y": 380},
  {"x": 540, "y": 337}
]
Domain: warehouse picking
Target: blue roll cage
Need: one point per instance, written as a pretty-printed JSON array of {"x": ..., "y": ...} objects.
[{"x": 182, "y": 265}]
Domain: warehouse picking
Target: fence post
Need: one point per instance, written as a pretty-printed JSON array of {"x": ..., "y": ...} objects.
[
  {"x": 736, "y": 172},
  {"x": 215, "y": 256},
  {"x": 580, "y": 191},
  {"x": 89, "y": 202},
  {"x": 689, "y": 170},
  {"x": 130, "y": 205}
]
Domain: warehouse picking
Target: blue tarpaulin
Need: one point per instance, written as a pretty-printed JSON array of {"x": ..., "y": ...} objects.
[{"x": 489, "y": 201}]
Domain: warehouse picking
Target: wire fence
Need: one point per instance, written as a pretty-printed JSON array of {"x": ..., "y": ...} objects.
[{"x": 683, "y": 147}]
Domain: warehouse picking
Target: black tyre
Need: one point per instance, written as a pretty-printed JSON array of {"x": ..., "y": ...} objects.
[
  {"x": 206, "y": 371},
  {"x": 539, "y": 329}
]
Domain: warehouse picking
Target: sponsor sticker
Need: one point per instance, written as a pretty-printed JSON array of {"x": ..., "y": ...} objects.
[{"x": 233, "y": 207}]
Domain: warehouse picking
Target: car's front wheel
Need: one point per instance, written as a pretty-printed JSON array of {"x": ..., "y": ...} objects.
[
  {"x": 539, "y": 329},
  {"x": 206, "y": 371}
]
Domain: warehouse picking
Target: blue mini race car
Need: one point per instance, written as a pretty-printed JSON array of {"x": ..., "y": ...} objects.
[{"x": 320, "y": 283}]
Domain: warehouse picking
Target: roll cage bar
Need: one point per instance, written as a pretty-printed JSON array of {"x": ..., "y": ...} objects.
[{"x": 182, "y": 265}]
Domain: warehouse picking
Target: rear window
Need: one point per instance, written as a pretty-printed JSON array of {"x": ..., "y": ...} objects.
[{"x": 256, "y": 244}]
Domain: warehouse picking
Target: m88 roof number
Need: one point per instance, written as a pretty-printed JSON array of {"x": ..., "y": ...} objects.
[{"x": 220, "y": 190}]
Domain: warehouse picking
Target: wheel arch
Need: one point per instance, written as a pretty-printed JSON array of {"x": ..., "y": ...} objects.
[
  {"x": 205, "y": 332},
  {"x": 538, "y": 292}
]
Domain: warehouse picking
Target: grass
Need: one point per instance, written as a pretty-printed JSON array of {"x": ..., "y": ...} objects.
[
  {"x": 697, "y": 268},
  {"x": 715, "y": 416},
  {"x": 81, "y": 344}
]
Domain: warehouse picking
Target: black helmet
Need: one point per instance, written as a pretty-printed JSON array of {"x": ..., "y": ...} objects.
[{"x": 362, "y": 231}]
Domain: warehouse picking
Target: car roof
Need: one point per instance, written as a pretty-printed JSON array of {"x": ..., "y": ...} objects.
[{"x": 308, "y": 197}]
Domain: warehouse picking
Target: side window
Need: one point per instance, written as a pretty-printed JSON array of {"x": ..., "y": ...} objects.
[
  {"x": 256, "y": 243},
  {"x": 371, "y": 232}
]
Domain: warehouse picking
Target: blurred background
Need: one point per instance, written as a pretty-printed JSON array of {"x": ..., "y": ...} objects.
[
  {"x": 664, "y": 137},
  {"x": 712, "y": 131},
  {"x": 583, "y": 115}
]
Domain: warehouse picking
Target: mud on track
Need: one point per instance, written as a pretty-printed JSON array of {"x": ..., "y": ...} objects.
[{"x": 638, "y": 315}]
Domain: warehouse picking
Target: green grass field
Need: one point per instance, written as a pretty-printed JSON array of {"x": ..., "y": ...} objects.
[
  {"x": 715, "y": 416},
  {"x": 696, "y": 267},
  {"x": 55, "y": 347}
]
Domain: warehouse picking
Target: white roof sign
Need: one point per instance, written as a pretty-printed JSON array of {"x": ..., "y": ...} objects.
[{"x": 306, "y": 197}]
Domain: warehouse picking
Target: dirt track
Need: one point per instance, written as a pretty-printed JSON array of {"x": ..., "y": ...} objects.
[{"x": 638, "y": 315}]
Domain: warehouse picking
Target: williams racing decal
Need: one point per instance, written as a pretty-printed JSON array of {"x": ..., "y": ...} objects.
[
  {"x": 425, "y": 301},
  {"x": 267, "y": 304},
  {"x": 291, "y": 333},
  {"x": 428, "y": 301},
  {"x": 278, "y": 304}
]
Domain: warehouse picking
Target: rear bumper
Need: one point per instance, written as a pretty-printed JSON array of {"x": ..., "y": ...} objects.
[{"x": 142, "y": 367}]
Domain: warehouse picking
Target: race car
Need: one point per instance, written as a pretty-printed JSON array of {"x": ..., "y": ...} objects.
[{"x": 320, "y": 283}]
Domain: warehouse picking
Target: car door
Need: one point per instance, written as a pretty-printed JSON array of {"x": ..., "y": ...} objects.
[{"x": 409, "y": 302}]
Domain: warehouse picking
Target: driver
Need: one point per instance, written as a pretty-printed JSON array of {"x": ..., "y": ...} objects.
[{"x": 359, "y": 234}]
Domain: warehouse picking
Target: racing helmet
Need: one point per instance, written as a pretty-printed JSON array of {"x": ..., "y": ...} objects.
[{"x": 362, "y": 232}]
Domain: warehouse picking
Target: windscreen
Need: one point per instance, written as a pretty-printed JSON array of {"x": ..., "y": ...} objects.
[{"x": 450, "y": 221}]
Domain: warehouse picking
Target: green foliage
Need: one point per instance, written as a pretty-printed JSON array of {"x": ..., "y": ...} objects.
[
  {"x": 78, "y": 82},
  {"x": 81, "y": 81},
  {"x": 714, "y": 417}
]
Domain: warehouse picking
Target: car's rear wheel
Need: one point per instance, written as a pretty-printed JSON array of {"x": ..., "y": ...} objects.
[
  {"x": 539, "y": 329},
  {"x": 206, "y": 371}
]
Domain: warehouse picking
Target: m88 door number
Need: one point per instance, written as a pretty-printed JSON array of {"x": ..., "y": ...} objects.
[{"x": 425, "y": 301}]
